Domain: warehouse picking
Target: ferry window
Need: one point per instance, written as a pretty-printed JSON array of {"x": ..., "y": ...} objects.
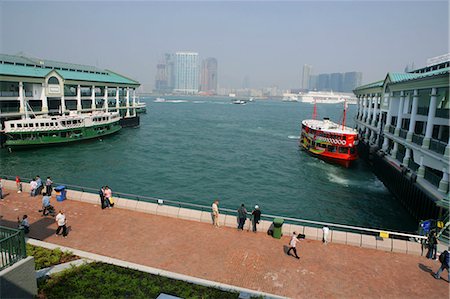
[
  {"x": 344, "y": 137},
  {"x": 42, "y": 125},
  {"x": 53, "y": 80},
  {"x": 343, "y": 150},
  {"x": 331, "y": 148},
  {"x": 352, "y": 150},
  {"x": 31, "y": 125},
  {"x": 47, "y": 124},
  {"x": 19, "y": 125},
  {"x": 69, "y": 122},
  {"x": 12, "y": 126}
]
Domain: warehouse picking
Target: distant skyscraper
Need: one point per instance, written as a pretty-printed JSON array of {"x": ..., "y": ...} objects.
[
  {"x": 312, "y": 82},
  {"x": 246, "y": 82},
  {"x": 351, "y": 80},
  {"x": 306, "y": 78},
  {"x": 208, "y": 81},
  {"x": 336, "y": 81},
  {"x": 164, "y": 79},
  {"x": 186, "y": 72},
  {"x": 323, "y": 82}
]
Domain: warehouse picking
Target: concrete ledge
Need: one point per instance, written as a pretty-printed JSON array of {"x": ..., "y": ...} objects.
[
  {"x": 299, "y": 229},
  {"x": 26, "y": 187},
  {"x": 286, "y": 229},
  {"x": 184, "y": 214},
  {"x": 207, "y": 217},
  {"x": 413, "y": 248},
  {"x": 354, "y": 239},
  {"x": 230, "y": 221},
  {"x": 8, "y": 184},
  {"x": 399, "y": 246},
  {"x": 384, "y": 244},
  {"x": 168, "y": 211},
  {"x": 264, "y": 225},
  {"x": 74, "y": 195},
  {"x": 311, "y": 233},
  {"x": 339, "y": 237},
  {"x": 90, "y": 198},
  {"x": 368, "y": 242},
  {"x": 129, "y": 203}
]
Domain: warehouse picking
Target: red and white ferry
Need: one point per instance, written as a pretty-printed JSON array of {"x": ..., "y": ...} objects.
[{"x": 329, "y": 141}]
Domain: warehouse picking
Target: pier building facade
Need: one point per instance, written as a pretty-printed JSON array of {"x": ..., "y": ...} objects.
[
  {"x": 403, "y": 123},
  {"x": 45, "y": 87}
]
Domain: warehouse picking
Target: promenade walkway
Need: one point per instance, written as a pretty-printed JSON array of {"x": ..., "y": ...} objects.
[{"x": 241, "y": 258}]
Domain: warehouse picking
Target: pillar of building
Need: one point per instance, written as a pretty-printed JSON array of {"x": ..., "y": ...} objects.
[
  {"x": 105, "y": 99},
  {"x": 369, "y": 109},
  {"x": 389, "y": 113},
  {"x": 63, "y": 104},
  {"x": 412, "y": 121},
  {"x": 430, "y": 120},
  {"x": 400, "y": 113},
  {"x": 117, "y": 99},
  {"x": 93, "y": 106},
  {"x": 21, "y": 99},
  {"x": 364, "y": 108},
  {"x": 134, "y": 102},
  {"x": 79, "y": 105},
  {"x": 128, "y": 102},
  {"x": 421, "y": 170},
  {"x": 394, "y": 150},
  {"x": 407, "y": 156},
  {"x": 375, "y": 110},
  {"x": 443, "y": 184},
  {"x": 44, "y": 99}
]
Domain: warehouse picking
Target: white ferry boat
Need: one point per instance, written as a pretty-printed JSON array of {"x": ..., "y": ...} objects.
[{"x": 324, "y": 97}]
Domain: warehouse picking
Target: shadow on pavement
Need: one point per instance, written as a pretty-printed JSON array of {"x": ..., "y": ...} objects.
[{"x": 41, "y": 229}]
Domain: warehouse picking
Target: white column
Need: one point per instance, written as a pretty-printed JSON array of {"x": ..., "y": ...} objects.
[
  {"x": 375, "y": 110},
  {"x": 364, "y": 108},
  {"x": 93, "y": 107},
  {"x": 443, "y": 184},
  {"x": 412, "y": 121},
  {"x": 43, "y": 99},
  {"x": 134, "y": 102},
  {"x": 63, "y": 104},
  {"x": 105, "y": 99},
  {"x": 389, "y": 113},
  {"x": 21, "y": 100},
  {"x": 407, "y": 156},
  {"x": 128, "y": 102},
  {"x": 447, "y": 150},
  {"x": 79, "y": 105},
  {"x": 117, "y": 99},
  {"x": 421, "y": 170},
  {"x": 400, "y": 113},
  {"x": 359, "y": 107},
  {"x": 430, "y": 120},
  {"x": 394, "y": 150},
  {"x": 369, "y": 111}
]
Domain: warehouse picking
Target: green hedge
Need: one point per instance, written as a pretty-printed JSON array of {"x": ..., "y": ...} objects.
[
  {"x": 99, "y": 280},
  {"x": 44, "y": 257}
]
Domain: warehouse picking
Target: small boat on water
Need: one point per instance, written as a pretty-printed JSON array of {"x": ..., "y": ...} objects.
[
  {"x": 159, "y": 100},
  {"x": 329, "y": 141},
  {"x": 239, "y": 102},
  {"x": 53, "y": 130}
]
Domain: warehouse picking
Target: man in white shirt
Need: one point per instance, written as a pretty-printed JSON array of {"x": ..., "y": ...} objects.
[
  {"x": 326, "y": 232},
  {"x": 61, "y": 220},
  {"x": 215, "y": 213},
  {"x": 293, "y": 244}
]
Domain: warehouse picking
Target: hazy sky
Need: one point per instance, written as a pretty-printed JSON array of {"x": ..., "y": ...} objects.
[{"x": 267, "y": 41}]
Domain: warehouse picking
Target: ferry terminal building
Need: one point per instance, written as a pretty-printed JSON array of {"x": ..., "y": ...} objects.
[
  {"x": 403, "y": 123},
  {"x": 44, "y": 87}
]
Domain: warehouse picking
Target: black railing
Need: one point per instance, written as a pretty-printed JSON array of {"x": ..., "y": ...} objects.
[
  {"x": 403, "y": 133},
  {"x": 12, "y": 246},
  {"x": 417, "y": 139},
  {"x": 432, "y": 177},
  {"x": 413, "y": 165},
  {"x": 438, "y": 146},
  {"x": 443, "y": 113},
  {"x": 399, "y": 156}
]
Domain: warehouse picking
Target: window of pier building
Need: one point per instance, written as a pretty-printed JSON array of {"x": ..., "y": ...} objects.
[
  {"x": 440, "y": 133},
  {"x": 70, "y": 90},
  {"x": 443, "y": 103},
  {"x": 9, "y": 89},
  {"x": 424, "y": 101},
  {"x": 53, "y": 80},
  {"x": 420, "y": 128}
]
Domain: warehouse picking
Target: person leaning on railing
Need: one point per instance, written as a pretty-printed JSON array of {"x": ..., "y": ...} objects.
[{"x": 24, "y": 224}]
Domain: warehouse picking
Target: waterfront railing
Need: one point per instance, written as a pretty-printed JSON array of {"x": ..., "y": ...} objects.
[
  {"x": 228, "y": 211},
  {"x": 12, "y": 246}
]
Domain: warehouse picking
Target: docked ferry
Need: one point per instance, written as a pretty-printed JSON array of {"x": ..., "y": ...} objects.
[
  {"x": 329, "y": 141},
  {"x": 52, "y": 130}
]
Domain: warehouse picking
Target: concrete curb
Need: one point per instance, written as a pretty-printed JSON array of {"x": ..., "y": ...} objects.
[
  {"x": 61, "y": 267},
  {"x": 151, "y": 270}
]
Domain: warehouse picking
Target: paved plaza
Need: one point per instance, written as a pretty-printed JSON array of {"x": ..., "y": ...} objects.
[{"x": 250, "y": 260}]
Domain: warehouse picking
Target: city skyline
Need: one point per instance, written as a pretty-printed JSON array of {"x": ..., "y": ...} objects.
[{"x": 266, "y": 43}]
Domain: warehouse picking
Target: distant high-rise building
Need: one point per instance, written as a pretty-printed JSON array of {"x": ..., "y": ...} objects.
[
  {"x": 351, "y": 81},
  {"x": 323, "y": 82},
  {"x": 312, "y": 82},
  {"x": 164, "y": 79},
  {"x": 336, "y": 81},
  {"x": 306, "y": 78},
  {"x": 186, "y": 72},
  {"x": 246, "y": 82},
  {"x": 208, "y": 81}
]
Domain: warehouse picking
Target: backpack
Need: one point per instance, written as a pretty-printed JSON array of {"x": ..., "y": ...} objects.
[{"x": 443, "y": 256}]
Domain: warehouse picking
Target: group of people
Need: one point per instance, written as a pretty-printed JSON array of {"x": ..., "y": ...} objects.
[
  {"x": 242, "y": 214},
  {"x": 36, "y": 186},
  {"x": 106, "y": 198}
]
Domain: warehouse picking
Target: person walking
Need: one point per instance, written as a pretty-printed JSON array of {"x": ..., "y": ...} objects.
[
  {"x": 33, "y": 187},
  {"x": 326, "y": 232},
  {"x": 256, "y": 216},
  {"x": 215, "y": 213},
  {"x": 293, "y": 243},
  {"x": 18, "y": 184},
  {"x": 432, "y": 245},
  {"x": 444, "y": 258},
  {"x": 49, "y": 186},
  {"x": 61, "y": 220},
  {"x": 45, "y": 204},
  {"x": 39, "y": 186},
  {"x": 242, "y": 216},
  {"x": 101, "y": 193}
]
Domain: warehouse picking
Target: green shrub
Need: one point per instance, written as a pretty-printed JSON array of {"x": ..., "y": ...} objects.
[{"x": 44, "y": 257}]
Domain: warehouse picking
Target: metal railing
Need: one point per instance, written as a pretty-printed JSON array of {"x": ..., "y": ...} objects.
[
  {"x": 413, "y": 165},
  {"x": 228, "y": 211},
  {"x": 12, "y": 246},
  {"x": 417, "y": 139},
  {"x": 438, "y": 146},
  {"x": 403, "y": 133},
  {"x": 399, "y": 156},
  {"x": 432, "y": 177},
  {"x": 443, "y": 113}
]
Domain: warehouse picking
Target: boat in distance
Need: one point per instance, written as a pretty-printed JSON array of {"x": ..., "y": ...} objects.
[
  {"x": 329, "y": 141},
  {"x": 239, "y": 102},
  {"x": 54, "y": 130}
]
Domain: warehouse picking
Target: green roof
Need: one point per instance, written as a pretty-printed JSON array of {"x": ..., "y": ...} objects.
[
  {"x": 26, "y": 67},
  {"x": 371, "y": 85}
]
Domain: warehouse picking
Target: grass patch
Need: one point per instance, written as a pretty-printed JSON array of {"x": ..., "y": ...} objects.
[
  {"x": 99, "y": 280},
  {"x": 44, "y": 257}
]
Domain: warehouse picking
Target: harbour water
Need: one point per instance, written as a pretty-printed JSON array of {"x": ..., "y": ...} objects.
[{"x": 198, "y": 149}]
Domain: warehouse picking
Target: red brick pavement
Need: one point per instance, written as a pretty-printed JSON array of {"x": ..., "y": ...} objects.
[{"x": 241, "y": 258}]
